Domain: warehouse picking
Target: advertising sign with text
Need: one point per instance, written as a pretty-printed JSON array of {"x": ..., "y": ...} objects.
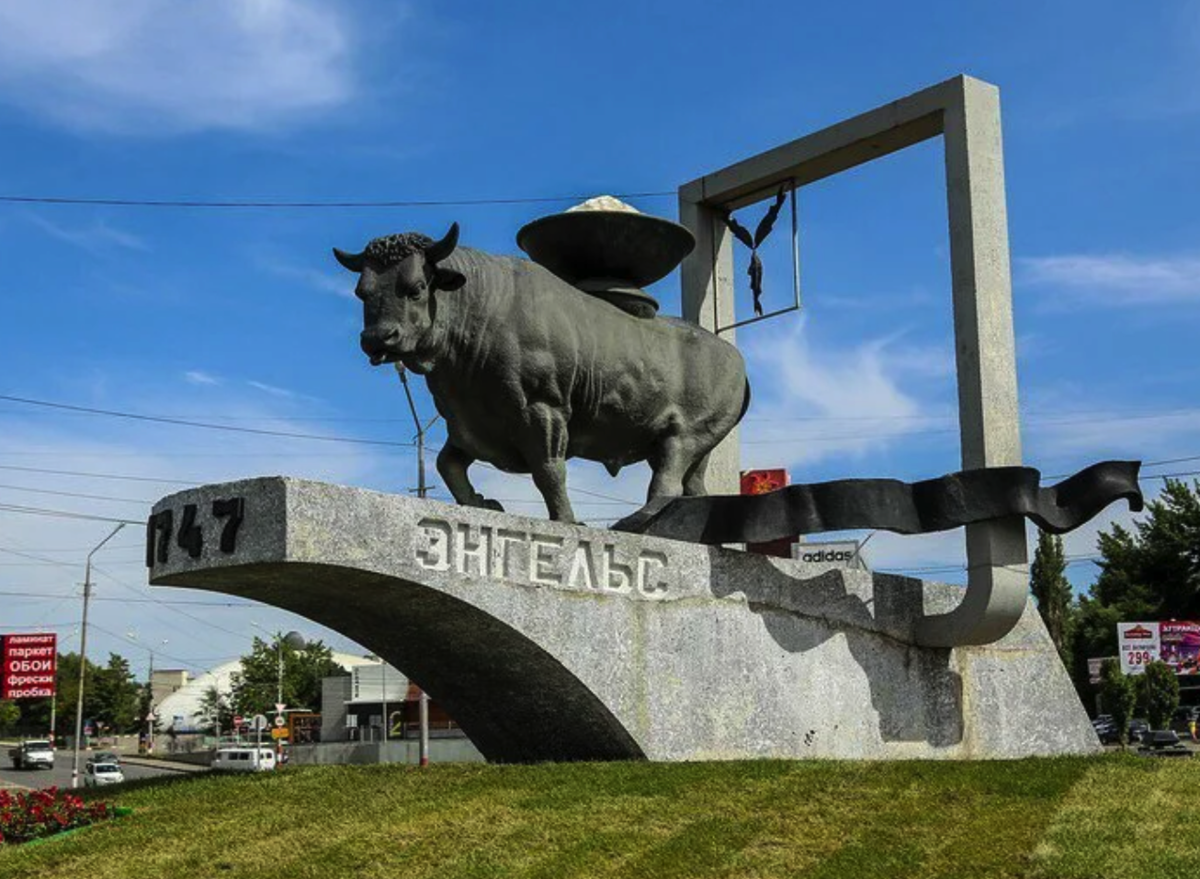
[
  {"x": 27, "y": 666},
  {"x": 1179, "y": 645}
]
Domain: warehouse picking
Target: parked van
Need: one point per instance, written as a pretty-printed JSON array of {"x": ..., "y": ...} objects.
[{"x": 244, "y": 759}]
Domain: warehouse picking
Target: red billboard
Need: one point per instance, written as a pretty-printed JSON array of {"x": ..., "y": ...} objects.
[
  {"x": 27, "y": 666},
  {"x": 762, "y": 482}
]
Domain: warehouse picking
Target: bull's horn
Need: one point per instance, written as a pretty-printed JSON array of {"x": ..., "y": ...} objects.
[
  {"x": 439, "y": 250},
  {"x": 352, "y": 261}
]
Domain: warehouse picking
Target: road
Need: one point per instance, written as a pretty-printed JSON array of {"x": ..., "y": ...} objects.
[{"x": 60, "y": 775}]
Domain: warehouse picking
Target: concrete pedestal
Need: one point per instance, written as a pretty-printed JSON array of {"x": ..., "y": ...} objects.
[{"x": 557, "y": 642}]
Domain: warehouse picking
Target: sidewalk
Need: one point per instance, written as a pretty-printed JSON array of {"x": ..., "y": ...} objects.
[{"x": 158, "y": 763}]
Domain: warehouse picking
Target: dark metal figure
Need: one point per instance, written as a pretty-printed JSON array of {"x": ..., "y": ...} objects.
[{"x": 529, "y": 371}]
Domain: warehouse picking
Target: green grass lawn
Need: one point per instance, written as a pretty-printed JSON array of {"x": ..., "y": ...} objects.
[{"x": 1073, "y": 817}]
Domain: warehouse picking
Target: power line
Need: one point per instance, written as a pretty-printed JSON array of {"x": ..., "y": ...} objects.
[
  {"x": 42, "y": 625},
  {"x": 1033, "y": 416},
  {"x": 142, "y": 646},
  {"x": 90, "y": 497},
  {"x": 169, "y": 607},
  {"x": 56, "y": 595},
  {"x": 49, "y": 472},
  {"x": 181, "y": 422},
  {"x": 64, "y": 514},
  {"x": 306, "y": 205},
  {"x": 37, "y": 558}
]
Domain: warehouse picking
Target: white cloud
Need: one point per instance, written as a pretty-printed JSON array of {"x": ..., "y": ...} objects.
[
  {"x": 1117, "y": 279},
  {"x": 339, "y": 284},
  {"x": 812, "y": 404},
  {"x": 196, "y": 377},
  {"x": 273, "y": 390},
  {"x": 156, "y": 65},
  {"x": 96, "y": 238}
]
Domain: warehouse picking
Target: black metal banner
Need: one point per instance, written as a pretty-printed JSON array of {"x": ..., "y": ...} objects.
[{"x": 962, "y": 498}]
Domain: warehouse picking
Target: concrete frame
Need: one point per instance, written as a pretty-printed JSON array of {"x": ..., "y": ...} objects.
[{"x": 966, "y": 113}]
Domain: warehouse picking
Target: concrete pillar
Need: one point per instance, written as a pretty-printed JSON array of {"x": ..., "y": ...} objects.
[
  {"x": 707, "y": 281},
  {"x": 985, "y": 353}
]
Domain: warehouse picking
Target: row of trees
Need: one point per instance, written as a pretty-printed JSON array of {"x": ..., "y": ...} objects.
[
  {"x": 1149, "y": 572},
  {"x": 116, "y": 702},
  {"x": 112, "y": 699},
  {"x": 1154, "y": 693}
]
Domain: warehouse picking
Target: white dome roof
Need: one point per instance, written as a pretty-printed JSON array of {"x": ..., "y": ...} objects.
[{"x": 182, "y": 708}]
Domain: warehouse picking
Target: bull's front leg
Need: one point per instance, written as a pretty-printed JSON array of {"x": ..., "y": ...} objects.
[
  {"x": 546, "y": 455},
  {"x": 452, "y": 464}
]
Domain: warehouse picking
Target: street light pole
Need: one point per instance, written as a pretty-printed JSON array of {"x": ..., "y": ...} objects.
[
  {"x": 422, "y": 491},
  {"x": 87, "y": 596},
  {"x": 296, "y": 641},
  {"x": 383, "y": 697}
]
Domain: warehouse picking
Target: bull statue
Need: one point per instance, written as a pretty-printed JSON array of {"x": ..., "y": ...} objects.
[{"x": 529, "y": 371}]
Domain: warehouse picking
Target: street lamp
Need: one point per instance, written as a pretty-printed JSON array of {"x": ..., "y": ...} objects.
[
  {"x": 149, "y": 719},
  {"x": 87, "y": 596},
  {"x": 294, "y": 640}
]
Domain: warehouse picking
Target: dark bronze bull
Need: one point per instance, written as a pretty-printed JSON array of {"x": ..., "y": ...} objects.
[{"x": 529, "y": 371}]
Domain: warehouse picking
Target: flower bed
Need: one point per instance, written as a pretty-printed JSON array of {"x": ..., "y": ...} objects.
[{"x": 38, "y": 814}]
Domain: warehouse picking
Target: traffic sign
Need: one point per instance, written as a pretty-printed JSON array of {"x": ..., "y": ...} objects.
[
  {"x": 281, "y": 721},
  {"x": 259, "y": 722},
  {"x": 279, "y": 733},
  {"x": 279, "y": 707},
  {"x": 238, "y": 720}
]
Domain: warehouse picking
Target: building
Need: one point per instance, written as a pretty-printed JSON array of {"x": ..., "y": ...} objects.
[{"x": 181, "y": 708}]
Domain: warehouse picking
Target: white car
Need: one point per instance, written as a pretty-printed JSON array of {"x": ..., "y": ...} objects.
[
  {"x": 246, "y": 759},
  {"x": 96, "y": 774}
]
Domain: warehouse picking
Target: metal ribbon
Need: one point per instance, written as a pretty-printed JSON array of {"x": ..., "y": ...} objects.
[{"x": 950, "y": 501}]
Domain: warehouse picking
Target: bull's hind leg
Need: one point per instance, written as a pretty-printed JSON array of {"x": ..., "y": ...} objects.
[
  {"x": 693, "y": 480},
  {"x": 452, "y": 464},
  {"x": 545, "y": 450},
  {"x": 671, "y": 465}
]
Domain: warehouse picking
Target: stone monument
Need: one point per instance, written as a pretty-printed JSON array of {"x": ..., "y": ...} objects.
[{"x": 548, "y": 640}]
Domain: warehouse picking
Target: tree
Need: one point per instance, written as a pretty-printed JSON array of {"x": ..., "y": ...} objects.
[
  {"x": 1159, "y": 562},
  {"x": 1051, "y": 589},
  {"x": 1119, "y": 695},
  {"x": 255, "y": 687},
  {"x": 1158, "y": 693},
  {"x": 215, "y": 708},
  {"x": 1151, "y": 572},
  {"x": 113, "y": 696},
  {"x": 110, "y": 696},
  {"x": 10, "y": 713}
]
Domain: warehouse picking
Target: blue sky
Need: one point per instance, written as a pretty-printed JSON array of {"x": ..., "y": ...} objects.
[{"x": 241, "y": 317}]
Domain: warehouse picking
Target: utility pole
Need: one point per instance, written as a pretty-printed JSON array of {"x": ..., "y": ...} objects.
[
  {"x": 383, "y": 697},
  {"x": 422, "y": 491},
  {"x": 150, "y": 705},
  {"x": 87, "y": 596}
]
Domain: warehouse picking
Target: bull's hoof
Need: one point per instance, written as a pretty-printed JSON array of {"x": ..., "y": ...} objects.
[{"x": 487, "y": 503}]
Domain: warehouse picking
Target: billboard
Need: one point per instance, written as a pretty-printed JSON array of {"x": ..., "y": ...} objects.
[
  {"x": 762, "y": 482},
  {"x": 27, "y": 666},
  {"x": 1179, "y": 645},
  {"x": 1175, "y": 642}
]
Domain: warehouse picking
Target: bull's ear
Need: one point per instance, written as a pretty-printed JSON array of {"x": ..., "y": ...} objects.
[
  {"x": 353, "y": 261},
  {"x": 439, "y": 250},
  {"x": 448, "y": 279}
]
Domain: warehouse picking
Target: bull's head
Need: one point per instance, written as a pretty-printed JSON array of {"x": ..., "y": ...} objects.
[{"x": 398, "y": 277}]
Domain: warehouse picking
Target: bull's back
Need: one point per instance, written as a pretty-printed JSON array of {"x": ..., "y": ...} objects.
[{"x": 632, "y": 379}]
